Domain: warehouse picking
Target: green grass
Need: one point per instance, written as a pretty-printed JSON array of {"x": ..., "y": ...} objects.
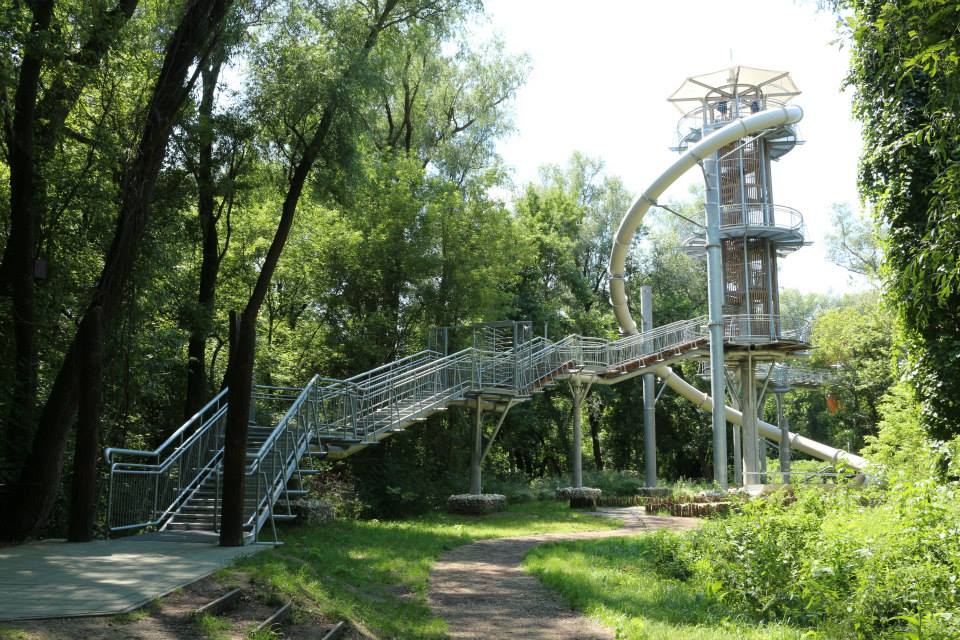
[
  {"x": 375, "y": 573},
  {"x": 615, "y": 581},
  {"x": 212, "y": 627}
]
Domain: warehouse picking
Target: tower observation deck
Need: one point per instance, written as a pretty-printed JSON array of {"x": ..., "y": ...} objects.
[{"x": 754, "y": 231}]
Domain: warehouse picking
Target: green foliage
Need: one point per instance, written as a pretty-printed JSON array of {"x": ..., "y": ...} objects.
[
  {"x": 901, "y": 448},
  {"x": 856, "y": 337},
  {"x": 904, "y": 69},
  {"x": 851, "y": 565},
  {"x": 878, "y": 563},
  {"x": 634, "y": 585}
]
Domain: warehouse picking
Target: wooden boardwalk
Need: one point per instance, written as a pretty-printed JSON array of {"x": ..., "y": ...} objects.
[{"x": 56, "y": 579}]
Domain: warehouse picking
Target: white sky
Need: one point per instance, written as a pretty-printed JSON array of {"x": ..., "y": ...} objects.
[{"x": 602, "y": 70}]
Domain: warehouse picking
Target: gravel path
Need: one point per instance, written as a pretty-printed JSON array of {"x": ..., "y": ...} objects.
[{"x": 481, "y": 591}]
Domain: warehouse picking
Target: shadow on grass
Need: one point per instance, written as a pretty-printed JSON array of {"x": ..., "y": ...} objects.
[{"x": 376, "y": 572}]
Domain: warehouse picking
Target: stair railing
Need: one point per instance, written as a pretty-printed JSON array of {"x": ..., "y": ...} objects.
[
  {"x": 272, "y": 466},
  {"x": 358, "y": 410},
  {"x": 147, "y": 487}
]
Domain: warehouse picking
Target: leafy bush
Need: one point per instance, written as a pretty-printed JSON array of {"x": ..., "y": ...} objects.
[{"x": 882, "y": 563}]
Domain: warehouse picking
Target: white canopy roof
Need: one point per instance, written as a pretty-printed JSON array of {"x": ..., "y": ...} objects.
[{"x": 727, "y": 82}]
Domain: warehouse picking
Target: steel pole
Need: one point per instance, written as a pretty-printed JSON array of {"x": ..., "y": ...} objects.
[
  {"x": 784, "y": 423},
  {"x": 715, "y": 301},
  {"x": 477, "y": 453},
  {"x": 577, "y": 457},
  {"x": 748, "y": 404},
  {"x": 737, "y": 455},
  {"x": 649, "y": 400}
]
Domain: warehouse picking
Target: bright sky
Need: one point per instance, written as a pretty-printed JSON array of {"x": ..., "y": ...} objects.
[{"x": 602, "y": 70}]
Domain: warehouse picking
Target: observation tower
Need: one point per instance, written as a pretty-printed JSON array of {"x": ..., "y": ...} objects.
[{"x": 744, "y": 234}]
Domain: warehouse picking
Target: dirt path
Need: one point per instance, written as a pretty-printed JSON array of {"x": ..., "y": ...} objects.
[{"x": 481, "y": 591}]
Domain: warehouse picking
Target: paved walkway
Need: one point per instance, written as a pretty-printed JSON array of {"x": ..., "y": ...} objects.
[
  {"x": 55, "y": 579},
  {"x": 481, "y": 591}
]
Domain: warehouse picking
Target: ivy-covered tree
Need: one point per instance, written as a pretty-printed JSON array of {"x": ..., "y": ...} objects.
[{"x": 905, "y": 70}]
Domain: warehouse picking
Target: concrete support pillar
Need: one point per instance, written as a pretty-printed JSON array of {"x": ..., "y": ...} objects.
[
  {"x": 784, "y": 423},
  {"x": 715, "y": 303},
  {"x": 649, "y": 398},
  {"x": 748, "y": 404},
  {"x": 476, "y": 455}
]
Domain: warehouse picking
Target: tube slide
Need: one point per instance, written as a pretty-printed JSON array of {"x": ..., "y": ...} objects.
[
  {"x": 767, "y": 430},
  {"x": 628, "y": 226},
  {"x": 624, "y": 237}
]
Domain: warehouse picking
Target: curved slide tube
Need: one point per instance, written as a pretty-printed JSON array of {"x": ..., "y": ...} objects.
[
  {"x": 628, "y": 226},
  {"x": 767, "y": 430},
  {"x": 631, "y": 222}
]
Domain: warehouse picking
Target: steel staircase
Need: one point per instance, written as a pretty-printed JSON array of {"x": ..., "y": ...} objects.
[{"x": 176, "y": 487}]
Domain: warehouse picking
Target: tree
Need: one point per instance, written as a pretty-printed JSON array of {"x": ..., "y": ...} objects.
[
  {"x": 905, "y": 70},
  {"x": 41, "y": 472},
  {"x": 855, "y": 243},
  {"x": 32, "y": 129},
  {"x": 302, "y": 137}
]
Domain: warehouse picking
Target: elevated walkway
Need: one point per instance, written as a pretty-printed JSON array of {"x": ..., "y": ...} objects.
[{"x": 177, "y": 487}]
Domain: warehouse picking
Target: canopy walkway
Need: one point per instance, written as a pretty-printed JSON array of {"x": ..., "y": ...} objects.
[{"x": 178, "y": 485}]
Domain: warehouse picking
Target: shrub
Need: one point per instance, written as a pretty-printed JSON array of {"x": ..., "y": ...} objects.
[
  {"x": 879, "y": 563},
  {"x": 313, "y": 511}
]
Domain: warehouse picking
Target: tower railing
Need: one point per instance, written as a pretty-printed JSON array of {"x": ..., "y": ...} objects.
[{"x": 693, "y": 124}]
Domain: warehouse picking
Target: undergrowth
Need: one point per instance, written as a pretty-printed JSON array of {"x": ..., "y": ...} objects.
[{"x": 837, "y": 564}]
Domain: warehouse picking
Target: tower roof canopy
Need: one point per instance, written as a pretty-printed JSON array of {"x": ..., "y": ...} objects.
[{"x": 731, "y": 81}]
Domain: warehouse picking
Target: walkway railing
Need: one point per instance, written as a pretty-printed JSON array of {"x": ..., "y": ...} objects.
[{"x": 147, "y": 488}]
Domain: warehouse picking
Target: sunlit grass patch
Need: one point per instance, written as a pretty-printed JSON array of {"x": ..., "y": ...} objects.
[
  {"x": 616, "y": 581},
  {"x": 376, "y": 573}
]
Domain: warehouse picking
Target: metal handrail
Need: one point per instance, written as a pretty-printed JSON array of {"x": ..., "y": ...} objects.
[
  {"x": 109, "y": 452},
  {"x": 707, "y": 117},
  {"x": 362, "y": 408}
]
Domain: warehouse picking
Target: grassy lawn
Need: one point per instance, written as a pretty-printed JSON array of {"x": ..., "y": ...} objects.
[
  {"x": 375, "y": 573},
  {"x": 615, "y": 581}
]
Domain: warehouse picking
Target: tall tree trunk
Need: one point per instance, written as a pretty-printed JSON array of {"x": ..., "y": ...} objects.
[
  {"x": 37, "y": 127},
  {"x": 83, "y": 491},
  {"x": 239, "y": 379},
  {"x": 40, "y": 477},
  {"x": 242, "y": 353},
  {"x": 210, "y": 246},
  {"x": 20, "y": 244}
]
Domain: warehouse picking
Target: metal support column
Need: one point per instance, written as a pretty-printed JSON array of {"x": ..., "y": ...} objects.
[
  {"x": 784, "y": 423},
  {"x": 578, "y": 390},
  {"x": 715, "y": 299},
  {"x": 763, "y": 460},
  {"x": 649, "y": 400},
  {"x": 737, "y": 455},
  {"x": 748, "y": 404},
  {"x": 476, "y": 456}
]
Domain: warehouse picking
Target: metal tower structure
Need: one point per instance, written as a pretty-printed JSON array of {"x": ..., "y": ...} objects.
[{"x": 744, "y": 236}]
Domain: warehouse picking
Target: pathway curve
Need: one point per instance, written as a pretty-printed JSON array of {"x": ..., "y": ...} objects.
[{"x": 481, "y": 591}]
